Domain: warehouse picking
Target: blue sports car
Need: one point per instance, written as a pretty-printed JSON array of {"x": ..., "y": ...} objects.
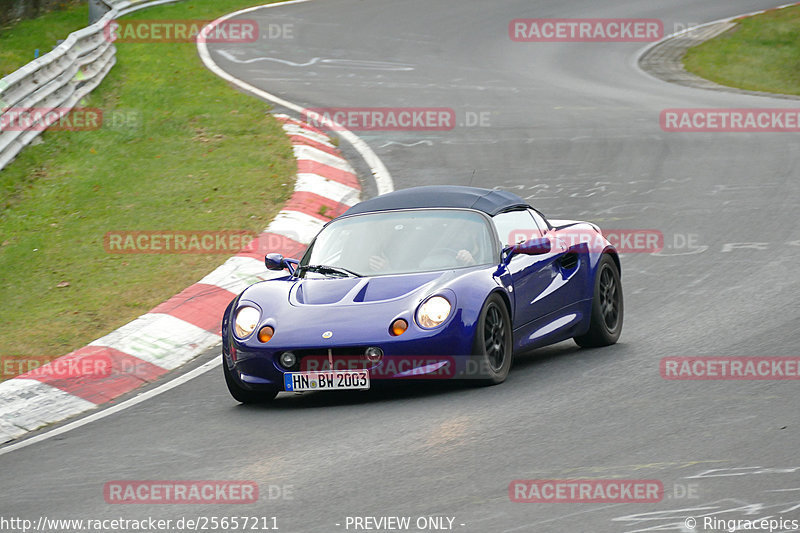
[{"x": 433, "y": 282}]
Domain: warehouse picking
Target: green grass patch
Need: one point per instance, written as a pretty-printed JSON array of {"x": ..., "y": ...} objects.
[
  {"x": 761, "y": 53},
  {"x": 186, "y": 153},
  {"x": 19, "y": 41}
]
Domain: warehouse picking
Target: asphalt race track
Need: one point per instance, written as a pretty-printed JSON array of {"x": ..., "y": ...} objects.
[{"x": 574, "y": 128}]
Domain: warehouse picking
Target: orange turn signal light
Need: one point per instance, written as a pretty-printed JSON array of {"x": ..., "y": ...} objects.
[
  {"x": 265, "y": 333},
  {"x": 399, "y": 327}
]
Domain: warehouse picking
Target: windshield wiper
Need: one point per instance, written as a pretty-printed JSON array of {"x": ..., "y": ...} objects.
[{"x": 325, "y": 269}]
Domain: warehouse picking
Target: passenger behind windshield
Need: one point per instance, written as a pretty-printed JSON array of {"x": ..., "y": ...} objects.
[{"x": 431, "y": 241}]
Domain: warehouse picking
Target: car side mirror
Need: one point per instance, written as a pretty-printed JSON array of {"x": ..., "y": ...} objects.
[
  {"x": 278, "y": 262},
  {"x": 537, "y": 246}
]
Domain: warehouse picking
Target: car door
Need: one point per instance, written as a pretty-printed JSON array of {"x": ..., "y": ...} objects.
[{"x": 535, "y": 278}]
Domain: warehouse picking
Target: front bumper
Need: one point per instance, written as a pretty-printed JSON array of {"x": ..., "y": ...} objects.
[{"x": 442, "y": 354}]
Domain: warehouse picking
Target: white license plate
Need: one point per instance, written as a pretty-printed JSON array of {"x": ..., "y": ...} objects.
[{"x": 333, "y": 380}]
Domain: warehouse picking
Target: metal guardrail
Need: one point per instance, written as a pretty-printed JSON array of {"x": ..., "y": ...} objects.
[{"x": 59, "y": 79}]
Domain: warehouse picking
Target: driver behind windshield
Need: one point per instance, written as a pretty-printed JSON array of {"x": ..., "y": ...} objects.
[{"x": 428, "y": 243}]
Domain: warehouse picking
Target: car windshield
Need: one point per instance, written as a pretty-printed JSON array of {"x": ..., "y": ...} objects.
[{"x": 400, "y": 242}]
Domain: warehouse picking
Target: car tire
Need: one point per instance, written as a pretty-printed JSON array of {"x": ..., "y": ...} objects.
[
  {"x": 492, "y": 352},
  {"x": 242, "y": 395},
  {"x": 607, "y": 307}
]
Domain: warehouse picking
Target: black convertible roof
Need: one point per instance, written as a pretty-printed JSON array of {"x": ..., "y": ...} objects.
[{"x": 487, "y": 200}]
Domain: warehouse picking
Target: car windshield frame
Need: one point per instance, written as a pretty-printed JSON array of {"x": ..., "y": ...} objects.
[{"x": 492, "y": 254}]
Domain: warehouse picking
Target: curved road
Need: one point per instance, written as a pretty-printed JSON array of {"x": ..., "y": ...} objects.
[{"x": 574, "y": 128}]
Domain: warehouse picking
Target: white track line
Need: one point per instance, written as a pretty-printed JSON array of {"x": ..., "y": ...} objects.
[
  {"x": 214, "y": 363},
  {"x": 379, "y": 171}
]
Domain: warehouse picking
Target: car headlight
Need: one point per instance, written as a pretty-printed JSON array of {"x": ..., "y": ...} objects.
[
  {"x": 433, "y": 312},
  {"x": 246, "y": 321}
]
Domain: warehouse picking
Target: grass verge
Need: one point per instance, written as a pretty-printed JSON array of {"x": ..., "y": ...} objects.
[
  {"x": 185, "y": 152},
  {"x": 761, "y": 53},
  {"x": 19, "y": 41}
]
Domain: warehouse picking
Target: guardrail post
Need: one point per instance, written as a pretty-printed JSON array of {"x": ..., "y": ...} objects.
[{"x": 97, "y": 8}]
